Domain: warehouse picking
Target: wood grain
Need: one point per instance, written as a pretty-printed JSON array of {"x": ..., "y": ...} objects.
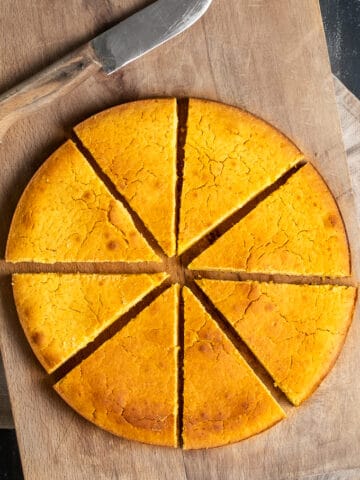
[{"x": 267, "y": 56}]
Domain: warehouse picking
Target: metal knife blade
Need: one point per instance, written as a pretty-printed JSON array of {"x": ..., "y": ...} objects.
[{"x": 146, "y": 30}]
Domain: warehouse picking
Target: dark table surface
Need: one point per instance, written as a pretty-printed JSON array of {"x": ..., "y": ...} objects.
[{"x": 342, "y": 26}]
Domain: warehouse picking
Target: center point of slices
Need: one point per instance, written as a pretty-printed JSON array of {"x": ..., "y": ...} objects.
[{"x": 175, "y": 269}]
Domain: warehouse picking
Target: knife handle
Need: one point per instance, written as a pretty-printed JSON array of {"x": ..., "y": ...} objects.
[{"x": 46, "y": 86}]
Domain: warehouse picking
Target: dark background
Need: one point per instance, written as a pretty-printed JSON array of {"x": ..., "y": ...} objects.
[{"x": 342, "y": 26}]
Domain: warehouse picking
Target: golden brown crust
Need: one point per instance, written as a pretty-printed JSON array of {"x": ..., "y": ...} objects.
[
  {"x": 228, "y": 151},
  {"x": 295, "y": 331},
  {"x": 297, "y": 230},
  {"x": 224, "y": 401},
  {"x": 67, "y": 214},
  {"x": 135, "y": 145},
  {"x": 129, "y": 385},
  {"x": 62, "y": 313}
]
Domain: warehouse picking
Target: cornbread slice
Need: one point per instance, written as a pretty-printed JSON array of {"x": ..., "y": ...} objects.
[
  {"x": 296, "y": 230},
  {"x": 135, "y": 145},
  {"x": 62, "y": 313},
  {"x": 224, "y": 401},
  {"x": 295, "y": 331},
  {"x": 67, "y": 214},
  {"x": 230, "y": 156},
  {"x": 129, "y": 385}
]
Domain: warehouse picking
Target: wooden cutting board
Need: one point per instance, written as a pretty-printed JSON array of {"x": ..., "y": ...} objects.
[{"x": 268, "y": 56}]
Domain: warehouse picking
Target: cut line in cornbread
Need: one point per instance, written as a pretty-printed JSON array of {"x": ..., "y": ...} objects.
[
  {"x": 295, "y": 331},
  {"x": 62, "y": 313},
  {"x": 224, "y": 401},
  {"x": 230, "y": 157},
  {"x": 66, "y": 214},
  {"x": 135, "y": 144},
  {"x": 129, "y": 385},
  {"x": 296, "y": 230}
]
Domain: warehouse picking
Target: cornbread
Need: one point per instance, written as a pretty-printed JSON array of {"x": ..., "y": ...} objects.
[
  {"x": 66, "y": 214},
  {"x": 296, "y": 230},
  {"x": 230, "y": 156},
  {"x": 224, "y": 401},
  {"x": 135, "y": 176},
  {"x": 129, "y": 385},
  {"x": 62, "y": 313},
  {"x": 295, "y": 331},
  {"x": 135, "y": 145}
]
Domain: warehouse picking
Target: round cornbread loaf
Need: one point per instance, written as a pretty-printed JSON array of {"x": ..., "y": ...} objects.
[{"x": 150, "y": 348}]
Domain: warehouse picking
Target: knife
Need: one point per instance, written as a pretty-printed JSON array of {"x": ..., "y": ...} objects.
[{"x": 110, "y": 51}]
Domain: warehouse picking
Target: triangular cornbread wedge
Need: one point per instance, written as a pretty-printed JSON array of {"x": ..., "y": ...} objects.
[
  {"x": 224, "y": 401},
  {"x": 295, "y": 331},
  {"x": 67, "y": 214},
  {"x": 230, "y": 157},
  {"x": 129, "y": 385},
  {"x": 62, "y": 313},
  {"x": 135, "y": 145},
  {"x": 296, "y": 230}
]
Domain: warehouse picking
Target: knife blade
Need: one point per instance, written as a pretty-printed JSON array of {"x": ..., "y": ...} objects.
[
  {"x": 110, "y": 51},
  {"x": 146, "y": 30}
]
